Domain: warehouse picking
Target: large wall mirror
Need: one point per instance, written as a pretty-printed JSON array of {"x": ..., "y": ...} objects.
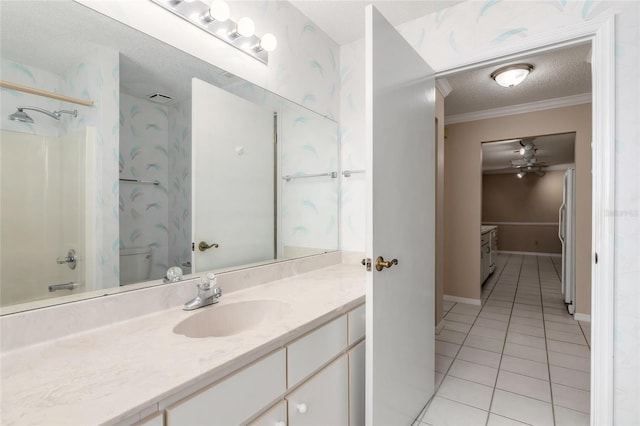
[{"x": 177, "y": 163}]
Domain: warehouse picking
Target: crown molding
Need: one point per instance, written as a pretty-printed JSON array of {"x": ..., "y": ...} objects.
[
  {"x": 566, "y": 101},
  {"x": 442, "y": 84}
]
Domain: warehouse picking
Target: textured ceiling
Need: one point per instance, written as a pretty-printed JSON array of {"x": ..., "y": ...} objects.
[
  {"x": 554, "y": 150},
  {"x": 343, "y": 20},
  {"x": 560, "y": 73}
]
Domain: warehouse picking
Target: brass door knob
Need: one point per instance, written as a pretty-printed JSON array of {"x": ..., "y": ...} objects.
[
  {"x": 381, "y": 263},
  {"x": 203, "y": 246}
]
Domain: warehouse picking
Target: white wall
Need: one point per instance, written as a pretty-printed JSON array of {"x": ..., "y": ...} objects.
[{"x": 450, "y": 37}]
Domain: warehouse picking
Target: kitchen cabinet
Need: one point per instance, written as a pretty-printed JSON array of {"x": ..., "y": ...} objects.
[
  {"x": 317, "y": 379},
  {"x": 485, "y": 256}
]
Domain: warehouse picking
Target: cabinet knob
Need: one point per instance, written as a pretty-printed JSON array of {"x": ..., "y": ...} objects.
[{"x": 302, "y": 408}]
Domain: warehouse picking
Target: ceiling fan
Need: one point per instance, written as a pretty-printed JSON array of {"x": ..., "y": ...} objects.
[{"x": 528, "y": 163}]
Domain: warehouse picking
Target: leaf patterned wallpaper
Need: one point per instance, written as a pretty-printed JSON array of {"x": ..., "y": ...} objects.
[
  {"x": 144, "y": 141},
  {"x": 180, "y": 184},
  {"x": 453, "y": 35},
  {"x": 95, "y": 78},
  {"x": 309, "y": 206}
]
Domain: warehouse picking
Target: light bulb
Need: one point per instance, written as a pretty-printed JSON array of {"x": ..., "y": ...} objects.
[
  {"x": 269, "y": 42},
  {"x": 522, "y": 150},
  {"x": 245, "y": 27},
  {"x": 219, "y": 10},
  {"x": 520, "y": 175}
]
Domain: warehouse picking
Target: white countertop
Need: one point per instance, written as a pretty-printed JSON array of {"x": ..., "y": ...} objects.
[{"x": 111, "y": 373}]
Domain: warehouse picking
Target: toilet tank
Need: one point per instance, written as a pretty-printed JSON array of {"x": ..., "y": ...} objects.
[{"x": 135, "y": 264}]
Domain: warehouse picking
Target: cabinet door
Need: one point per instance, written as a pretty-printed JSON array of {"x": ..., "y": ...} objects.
[
  {"x": 276, "y": 416},
  {"x": 323, "y": 399},
  {"x": 234, "y": 399},
  {"x": 356, "y": 385}
]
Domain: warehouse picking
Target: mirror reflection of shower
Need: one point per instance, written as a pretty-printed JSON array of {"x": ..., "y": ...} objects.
[{"x": 23, "y": 117}]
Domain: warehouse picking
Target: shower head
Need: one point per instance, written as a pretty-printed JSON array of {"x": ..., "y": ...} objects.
[{"x": 22, "y": 116}]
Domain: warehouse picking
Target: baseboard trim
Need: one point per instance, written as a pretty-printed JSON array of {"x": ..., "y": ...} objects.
[
  {"x": 531, "y": 253},
  {"x": 582, "y": 317},
  {"x": 440, "y": 326},
  {"x": 466, "y": 300}
]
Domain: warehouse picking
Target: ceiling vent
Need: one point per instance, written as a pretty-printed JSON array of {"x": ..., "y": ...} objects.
[{"x": 159, "y": 98}]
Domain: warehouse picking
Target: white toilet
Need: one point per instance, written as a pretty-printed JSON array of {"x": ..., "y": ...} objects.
[{"x": 135, "y": 264}]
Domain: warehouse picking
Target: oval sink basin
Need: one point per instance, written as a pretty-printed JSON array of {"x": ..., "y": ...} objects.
[{"x": 226, "y": 320}]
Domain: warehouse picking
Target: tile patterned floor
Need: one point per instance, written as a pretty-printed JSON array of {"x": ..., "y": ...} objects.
[{"x": 518, "y": 359}]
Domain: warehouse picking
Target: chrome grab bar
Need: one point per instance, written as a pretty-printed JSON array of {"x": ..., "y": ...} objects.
[
  {"x": 68, "y": 286},
  {"x": 152, "y": 182},
  {"x": 332, "y": 175},
  {"x": 348, "y": 173}
]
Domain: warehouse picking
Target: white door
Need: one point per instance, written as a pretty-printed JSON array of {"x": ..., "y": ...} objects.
[
  {"x": 400, "y": 135},
  {"x": 233, "y": 179}
]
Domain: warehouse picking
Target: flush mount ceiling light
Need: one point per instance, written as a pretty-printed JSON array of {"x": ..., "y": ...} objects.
[
  {"x": 511, "y": 75},
  {"x": 212, "y": 16}
]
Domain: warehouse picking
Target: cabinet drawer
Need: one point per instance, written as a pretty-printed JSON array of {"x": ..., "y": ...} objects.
[
  {"x": 155, "y": 420},
  {"x": 356, "y": 320},
  {"x": 310, "y": 352},
  {"x": 276, "y": 416},
  {"x": 236, "y": 398},
  {"x": 323, "y": 400}
]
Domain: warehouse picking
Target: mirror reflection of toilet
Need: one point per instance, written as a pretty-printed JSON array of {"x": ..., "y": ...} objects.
[{"x": 135, "y": 264}]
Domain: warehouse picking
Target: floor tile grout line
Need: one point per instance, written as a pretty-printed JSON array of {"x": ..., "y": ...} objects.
[
  {"x": 460, "y": 348},
  {"x": 585, "y": 335},
  {"x": 504, "y": 343},
  {"x": 546, "y": 350},
  {"x": 436, "y": 388}
]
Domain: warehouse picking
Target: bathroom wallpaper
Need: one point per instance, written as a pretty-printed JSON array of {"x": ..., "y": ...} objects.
[
  {"x": 179, "y": 180},
  {"x": 97, "y": 77},
  {"x": 31, "y": 76},
  {"x": 144, "y": 155},
  {"x": 304, "y": 68},
  {"x": 353, "y": 194},
  {"x": 451, "y": 36},
  {"x": 309, "y": 206}
]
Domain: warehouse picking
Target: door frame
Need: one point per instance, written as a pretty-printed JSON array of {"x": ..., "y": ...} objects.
[{"x": 601, "y": 33}]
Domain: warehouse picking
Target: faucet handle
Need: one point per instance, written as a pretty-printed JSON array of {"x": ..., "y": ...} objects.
[
  {"x": 217, "y": 292},
  {"x": 208, "y": 281}
]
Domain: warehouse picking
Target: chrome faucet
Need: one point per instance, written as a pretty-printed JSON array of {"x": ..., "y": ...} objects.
[{"x": 208, "y": 293}]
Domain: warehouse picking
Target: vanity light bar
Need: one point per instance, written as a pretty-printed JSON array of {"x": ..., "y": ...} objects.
[{"x": 197, "y": 13}]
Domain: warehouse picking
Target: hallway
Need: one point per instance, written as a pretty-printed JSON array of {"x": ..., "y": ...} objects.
[{"x": 518, "y": 359}]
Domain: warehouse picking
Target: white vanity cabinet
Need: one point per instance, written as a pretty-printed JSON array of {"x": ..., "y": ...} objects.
[
  {"x": 276, "y": 416},
  {"x": 235, "y": 399},
  {"x": 317, "y": 379},
  {"x": 356, "y": 384},
  {"x": 323, "y": 399}
]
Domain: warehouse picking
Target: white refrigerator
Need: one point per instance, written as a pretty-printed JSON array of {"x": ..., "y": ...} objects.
[{"x": 566, "y": 233}]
